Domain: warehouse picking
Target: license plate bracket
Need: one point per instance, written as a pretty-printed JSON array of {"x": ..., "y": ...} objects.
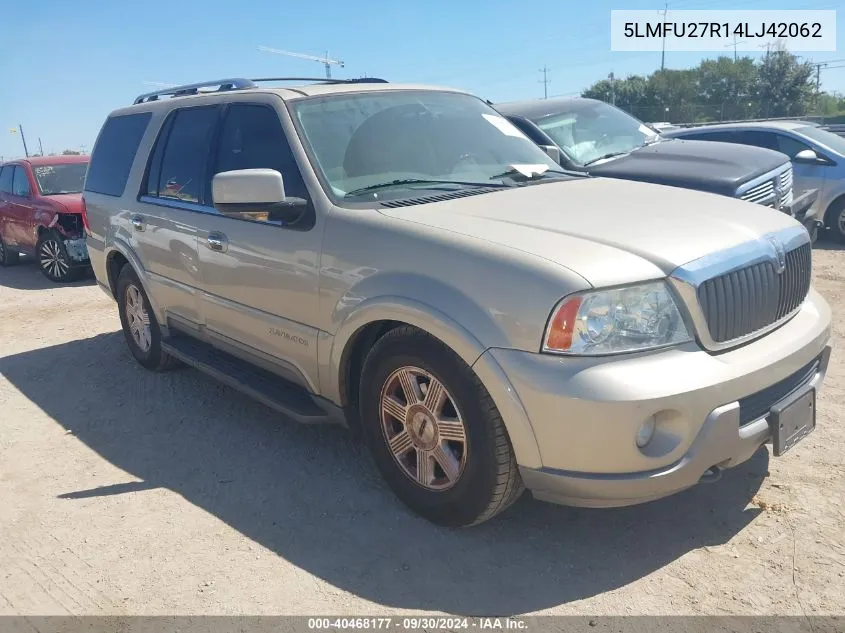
[{"x": 792, "y": 421}]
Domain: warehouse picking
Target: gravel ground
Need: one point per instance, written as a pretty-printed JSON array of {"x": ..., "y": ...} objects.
[{"x": 128, "y": 492}]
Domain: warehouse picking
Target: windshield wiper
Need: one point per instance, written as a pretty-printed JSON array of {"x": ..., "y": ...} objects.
[
  {"x": 605, "y": 156},
  {"x": 514, "y": 172},
  {"x": 417, "y": 181}
]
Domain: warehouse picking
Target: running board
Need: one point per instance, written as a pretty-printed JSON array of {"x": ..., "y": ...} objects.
[{"x": 272, "y": 390}]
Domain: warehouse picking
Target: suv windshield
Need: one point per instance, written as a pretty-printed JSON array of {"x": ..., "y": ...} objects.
[
  {"x": 56, "y": 179},
  {"x": 383, "y": 144},
  {"x": 590, "y": 130}
]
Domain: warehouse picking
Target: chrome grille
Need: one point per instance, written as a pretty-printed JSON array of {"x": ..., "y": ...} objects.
[
  {"x": 761, "y": 193},
  {"x": 786, "y": 180},
  {"x": 744, "y": 301}
]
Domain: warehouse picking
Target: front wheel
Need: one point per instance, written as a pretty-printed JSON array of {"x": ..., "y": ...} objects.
[
  {"x": 53, "y": 259},
  {"x": 434, "y": 432},
  {"x": 836, "y": 220}
]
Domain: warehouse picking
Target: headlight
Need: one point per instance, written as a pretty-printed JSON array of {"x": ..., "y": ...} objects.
[{"x": 629, "y": 319}]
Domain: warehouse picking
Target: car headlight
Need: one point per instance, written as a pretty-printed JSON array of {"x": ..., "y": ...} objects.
[{"x": 629, "y": 319}]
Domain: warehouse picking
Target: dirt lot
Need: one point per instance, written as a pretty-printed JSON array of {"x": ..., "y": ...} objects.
[{"x": 128, "y": 492}]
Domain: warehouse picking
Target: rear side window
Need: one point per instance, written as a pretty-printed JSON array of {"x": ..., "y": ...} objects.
[
  {"x": 6, "y": 179},
  {"x": 20, "y": 184},
  {"x": 114, "y": 153},
  {"x": 177, "y": 168}
]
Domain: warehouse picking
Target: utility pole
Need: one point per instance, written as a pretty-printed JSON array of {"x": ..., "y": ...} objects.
[
  {"x": 25, "y": 151},
  {"x": 663, "y": 51},
  {"x": 735, "y": 44},
  {"x": 612, "y": 78},
  {"x": 545, "y": 81},
  {"x": 40, "y": 146}
]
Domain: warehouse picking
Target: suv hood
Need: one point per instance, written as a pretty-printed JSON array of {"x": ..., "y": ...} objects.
[
  {"x": 703, "y": 165},
  {"x": 66, "y": 202},
  {"x": 608, "y": 231}
]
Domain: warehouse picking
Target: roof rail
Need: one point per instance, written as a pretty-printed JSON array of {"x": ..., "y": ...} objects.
[
  {"x": 192, "y": 89},
  {"x": 324, "y": 80},
  {"x": 224, "y": 85}
]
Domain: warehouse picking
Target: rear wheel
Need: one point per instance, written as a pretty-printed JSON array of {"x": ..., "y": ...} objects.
[
  {"x": 140, "y": 327},
  {"x": 434, "y": 432},
  {"x": 53, "y": 259},
  {"x": 7, "y": 257}
]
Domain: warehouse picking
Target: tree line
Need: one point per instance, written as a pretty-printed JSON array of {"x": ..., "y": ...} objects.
[{"x": 723, "y": 89}]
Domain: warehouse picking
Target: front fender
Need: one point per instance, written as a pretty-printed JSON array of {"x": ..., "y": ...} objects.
[{"x": 463, "y": 342}]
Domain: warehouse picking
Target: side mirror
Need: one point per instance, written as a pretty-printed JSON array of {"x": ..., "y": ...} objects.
[
  {"x": 255, "y": 194},
  {"x": 807, "y": 156},
  {"x": 552, "y": 151}
]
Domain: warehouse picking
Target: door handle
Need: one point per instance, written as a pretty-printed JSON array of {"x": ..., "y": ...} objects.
[
  {"x": 138, "y": 222},
  {"x": 217, "y": 242}
]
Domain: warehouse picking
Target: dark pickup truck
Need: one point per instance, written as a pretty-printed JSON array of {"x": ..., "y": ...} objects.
[{"x": 599, "y": 139}]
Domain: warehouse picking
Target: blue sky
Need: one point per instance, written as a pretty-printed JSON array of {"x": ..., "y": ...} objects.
[{"x": 66, "y": 65}]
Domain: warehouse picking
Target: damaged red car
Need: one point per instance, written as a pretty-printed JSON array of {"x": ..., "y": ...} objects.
[{"x": 42, "y": 214}]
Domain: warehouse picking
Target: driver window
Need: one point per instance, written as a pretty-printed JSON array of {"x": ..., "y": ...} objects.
[{"x": 20, "y": 186}]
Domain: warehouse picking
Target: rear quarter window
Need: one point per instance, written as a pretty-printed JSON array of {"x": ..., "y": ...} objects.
[{"x": 114, "y": 153}]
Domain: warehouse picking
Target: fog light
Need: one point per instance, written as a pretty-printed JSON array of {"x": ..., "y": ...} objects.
[{"x": 646, "y": 432}]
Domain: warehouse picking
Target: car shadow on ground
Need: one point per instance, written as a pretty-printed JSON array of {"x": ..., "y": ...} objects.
[
  {"x": 25, "y": 276},
  {"x": 311, "y": 495}
]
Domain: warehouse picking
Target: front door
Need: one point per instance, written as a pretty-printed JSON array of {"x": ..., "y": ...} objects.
[
  {"x": 260, "y": 277},
  {"x": 806, "y": 175},
  {"x": 6, "y": 175},
  {"x": 19, "y": 210}
]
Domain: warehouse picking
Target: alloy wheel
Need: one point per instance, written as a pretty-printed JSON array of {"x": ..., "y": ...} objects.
[
  {"x": 423, "y": 428},
  {"x": 138, "y": 319},
  {"x": 52, "y": 260}
]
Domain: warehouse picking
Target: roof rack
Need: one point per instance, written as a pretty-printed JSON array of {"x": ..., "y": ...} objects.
[{"x": 224, "y": 85}]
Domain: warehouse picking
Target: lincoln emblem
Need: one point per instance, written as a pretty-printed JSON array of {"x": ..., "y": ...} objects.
[{"x": 780, "y": 255}]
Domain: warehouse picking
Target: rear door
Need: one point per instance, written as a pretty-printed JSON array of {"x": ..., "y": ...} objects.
[
  {"x": 171, "y": 206},
  {"x": 260, "y": 276}
]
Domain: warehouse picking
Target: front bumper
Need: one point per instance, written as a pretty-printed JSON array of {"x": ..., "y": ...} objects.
[
  {"x": 800, "y": 207},
  {"x": 585, "y": 413}
]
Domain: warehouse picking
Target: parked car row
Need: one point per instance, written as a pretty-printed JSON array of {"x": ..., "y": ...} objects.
[
  {"x": 408, "y": 262},
  {"x": 602, "y": 140},
  {"x": 818, "y": 158},
  {"x": 41, "y": 214}
]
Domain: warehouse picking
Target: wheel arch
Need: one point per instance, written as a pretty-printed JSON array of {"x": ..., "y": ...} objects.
[
  {"x": 119, "y": 255},
  {"x": 839, "y": 200},
  {"x": 373, "y": 318}
]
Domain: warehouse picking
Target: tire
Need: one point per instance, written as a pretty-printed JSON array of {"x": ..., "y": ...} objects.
[
  {"x": 138, "y": 319},
  {"x": 7, "y": 257},
  {"x": 835, "y": 220},
  {"x": 460, "y": 480},
  {"x": 53, "y": 260}
]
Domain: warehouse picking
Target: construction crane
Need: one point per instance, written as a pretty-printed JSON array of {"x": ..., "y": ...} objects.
[{"x": 325, "y": 60}]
